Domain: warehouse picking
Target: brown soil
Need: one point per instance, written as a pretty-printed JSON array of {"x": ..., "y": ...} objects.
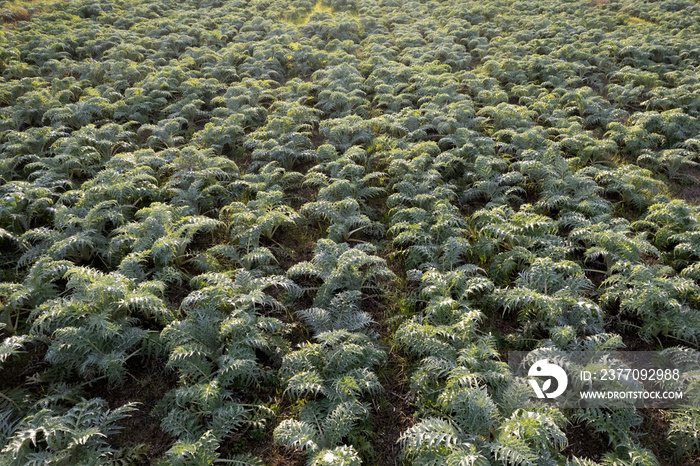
[
  {"x": 394, "y": 413},
  {"x": 201, "y": 241},
  {"x": 689, "y": 193},
  {"x": 176, "y": 293},
  {"x": 147, "y": 385},
  {"x": 317, "y": 139},
  {"x": 496, "y": 322},
  {"x": 649, "y": 259},
  {"x": 377, "y": 204},
  {"x": 244, "y": 160},
  {"x": 500, "y": 327},
  {"x": 596, "y": 277},
  {"x": 629, "y": 337},
  {"x": 294, "y": 245},
  {"x": 653, "y": 435},
  {"x": 475, "y": 63},
  {"x": 281, "y": 456},
  {"x": 476, "y": 204},
  {"x": 305, "y": 166},
  {"x": 200, "y": 122},
  {"x": 16, "y": 370},
  {"x": 262, "y": 445},
  {"x": 584, "y": 442},
  {"x": 301, "y": 195}
]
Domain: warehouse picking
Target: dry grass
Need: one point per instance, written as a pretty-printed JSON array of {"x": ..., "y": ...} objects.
[
  {"x": 639, "y": 21},
  {"x": 23, "y": 10},
  {"x": 14, "y": 14},
  {"x": 318, "y": 8},
  {"x": 28, "y": 4}
]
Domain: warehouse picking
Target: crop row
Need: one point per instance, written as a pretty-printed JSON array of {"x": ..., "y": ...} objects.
[{"x": 260, "y": 204}]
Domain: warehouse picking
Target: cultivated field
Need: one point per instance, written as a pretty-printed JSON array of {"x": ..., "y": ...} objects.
[{"x": 299, "y": 233}]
